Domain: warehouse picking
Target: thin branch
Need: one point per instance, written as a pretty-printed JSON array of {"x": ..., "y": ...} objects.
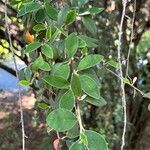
[
  {"x": 135, "y": 88},
  {"x": 124, "y": 3},
  {"x": 17, "y": 75},
  {"x": 77, "y": 108},
  {"x": 131, "y": 37}
]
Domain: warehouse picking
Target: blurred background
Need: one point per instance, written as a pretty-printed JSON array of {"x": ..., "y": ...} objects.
[{"x": 108, "y": 119}]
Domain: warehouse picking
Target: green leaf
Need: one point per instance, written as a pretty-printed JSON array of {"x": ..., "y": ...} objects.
[
  {"x": 24, "y": 82},
  {"x": 40, "y": 15},
  {"x": 28, "y": 7},
  {"x": 91, "y": 72},
  {"x": 89, "y": 86},
  {"x": 42, "y": 105},
  {"x": 83, "y": 138},
  {"x": 71, "y": 45},
  {"x": 78, "y": 145},
  {"x": 67, "y": 100},
  {"x": 62, "y": 15},
  {"x": 75, "y": 85},
  {"x": 61, "y": 120},
  {"x": 39, "y": 62},
  {"x": 71, "y": 17},
  {"x": 113, "y": 64},
  {"x": 52, "y": 12},
  {"x": 95, "y": 142},
  {"x": 32, "y": 47},
  {"x": 126, "y": 80},
  {"x": 89, "y": 23},
  {"x": 56, "y": 81},
  {"x": 61, "y": 70},
  {"x": 90, "y": 61},
  {"x": 47, "y": 51},
  {"x": 45, "y": 66},
  {"x": 48, "y": 33},
  {"x": 91, "y": 42},
  {"x": 82, "y": 2},
  {"x": 74, "y": 131},
  {"x": 39, "y": 27},
  {"x": 82, "y": 43},
  {"x": 95, "y": 10},
  {"x": 97, "y": 102}
]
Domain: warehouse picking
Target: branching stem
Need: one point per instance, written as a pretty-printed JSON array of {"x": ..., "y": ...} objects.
[{"x": 17, "y": 75}]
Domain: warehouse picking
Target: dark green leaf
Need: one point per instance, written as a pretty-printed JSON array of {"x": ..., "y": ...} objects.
[
  {"x": 39, "y": 27},
  {"x": 67, "y": 100},
  {"x": 82, "y": 2},
  {"x": 89, "y": 23},
  {"x": 95, "y": 142},
  {"x": 89, "y": 86},
  {"x": 90, "y": 61},
  {"x": 61, "y": 70},
  {"x": 74, "y": 131},
  {"x": 28, "y": 7},
  {"x": 40, "y": 15},
  {"x": 52, "y": 12},
  {"x": 71, "y": 17},
  {"x": 39, "y": 62},
  {"x": 45, "y": 67},
  {"x": 97, "y": 102},
  {"x": 32, "y": 47},
  {"x": 61, "y": 120},
  {"x": 95, "y": 10},
  {"x": 62, "y": 15},
  {"x": 91, "y": 42},
  {"x": 78, "y": 145},
  {"x": 56, "y": 81},
  {"x": 47, "y": 51},
  {"x": 71, "y": 45},
  {"x": 75, "y": 85},
  {"x": 113, "y": 63},
  {"x": 82, "y": 43}
]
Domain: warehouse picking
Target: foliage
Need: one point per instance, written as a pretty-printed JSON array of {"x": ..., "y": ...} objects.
[{"x": 59, "y": 60}]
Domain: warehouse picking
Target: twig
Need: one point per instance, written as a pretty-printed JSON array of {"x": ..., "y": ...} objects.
[
  {"x": 77, "y": 108},
  {"x": 17, "y": 75},
  {"x": 131, "y": 37},
  {"x": 124, "y": 3},
  {"x": 135, "y": 88}
]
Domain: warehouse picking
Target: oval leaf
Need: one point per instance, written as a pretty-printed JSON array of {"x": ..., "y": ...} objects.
[
  {"x": 75, "y": 85},
  {"x": 47, "y": 51},
  {"x": 71, "y": 45},
  {"x": 71, "y": 16},
  {"x": 97, "y": 102},
  {"x": 61, "y": 120},
  {"x": 52, "y": 12},
  {"x": 45, "y": 66},
  {"x": 89, "y": 23},
  {"x": 56, "y": 81},
  {"x": 40, "y": 15},
  {"x": 39, "y": 27},
  {"x": 61, "y": 70},
  {"x": 67, "y": 100},
  {"x": 32, "y": 47},
  {"x": 90, "y": 61},
  {"x": 95, "y": 142},
  {"x": 89, "y": 86},
  {"x": 28, "y": 7}
]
